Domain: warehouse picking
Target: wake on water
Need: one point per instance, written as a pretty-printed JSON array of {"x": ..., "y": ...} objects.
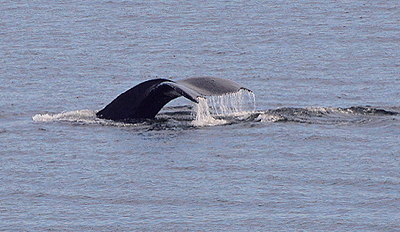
[{"x": 230, "y": 109}]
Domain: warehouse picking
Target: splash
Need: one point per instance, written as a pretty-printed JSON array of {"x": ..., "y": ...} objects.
[
  {"x": 233, "y": 104},
  {"x": 203, "y": 115},
  {"x": 241, "y": 102},
  {"x": 85, "y": 117},
  {"x": 210, "y": 111},
  {"x": 78, "y": 115}
]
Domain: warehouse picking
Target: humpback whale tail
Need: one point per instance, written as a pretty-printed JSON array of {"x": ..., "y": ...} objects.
[{"x": 146, "y": 99}]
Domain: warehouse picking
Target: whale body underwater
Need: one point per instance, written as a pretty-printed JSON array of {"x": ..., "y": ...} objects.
[{"x": 146, "y": 99}]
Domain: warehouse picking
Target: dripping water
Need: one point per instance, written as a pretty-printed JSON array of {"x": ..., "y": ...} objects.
[{"x": 232, "y": 104}]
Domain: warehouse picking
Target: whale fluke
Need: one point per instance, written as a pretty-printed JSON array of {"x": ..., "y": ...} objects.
[{"x": 146, "y": 99}]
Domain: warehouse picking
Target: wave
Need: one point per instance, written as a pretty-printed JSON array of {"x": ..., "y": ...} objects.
[
  {"x": 326, "y": 115},
  {"x": 190, "y": 116},
  {"x": 85, "y": 117}
]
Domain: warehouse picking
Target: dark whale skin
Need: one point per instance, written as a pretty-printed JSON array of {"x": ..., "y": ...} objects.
[{"x": 146, "y": 99}]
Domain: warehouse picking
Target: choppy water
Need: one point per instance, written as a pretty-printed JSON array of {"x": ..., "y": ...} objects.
[{"x": 320, "y": 152}]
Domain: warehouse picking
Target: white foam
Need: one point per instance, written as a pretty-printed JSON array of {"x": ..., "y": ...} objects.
[
  {"x": 79, "y": 116},
  {"x": 74, "y": 116},
  {"x": 268, "y": 118}
]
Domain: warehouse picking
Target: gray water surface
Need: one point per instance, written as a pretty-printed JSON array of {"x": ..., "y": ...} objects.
[{"x": 320, "y": 153}]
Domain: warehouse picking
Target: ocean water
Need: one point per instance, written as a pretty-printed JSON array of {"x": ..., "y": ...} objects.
[{"x": 319, "y": 152}]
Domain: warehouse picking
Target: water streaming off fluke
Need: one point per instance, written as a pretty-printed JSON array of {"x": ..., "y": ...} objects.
[{"x": 211, "y": 110}]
